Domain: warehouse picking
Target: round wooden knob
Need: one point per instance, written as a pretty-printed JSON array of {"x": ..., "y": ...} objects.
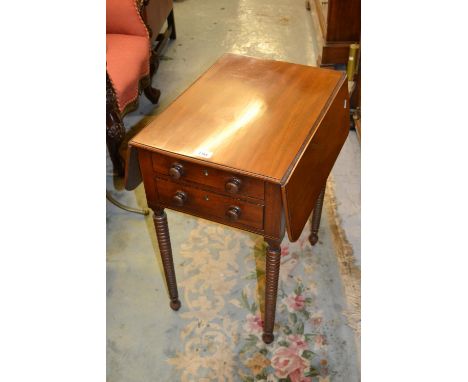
[
  {"x": 180, "y": 198},
  {"x": 233, "y": 213},
  {"x": 233, "y": 185},
  {"x": 176, "y": 171}
]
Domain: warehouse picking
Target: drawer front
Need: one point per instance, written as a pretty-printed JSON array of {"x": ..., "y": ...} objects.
[
  {"x": 209, "y": 204},
  {"x": 237, "y": 185}
]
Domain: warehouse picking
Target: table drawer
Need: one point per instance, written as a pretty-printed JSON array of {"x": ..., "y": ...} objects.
[
  {"x": 224, "y": 181},
  {"x": 209, "y": 204}
]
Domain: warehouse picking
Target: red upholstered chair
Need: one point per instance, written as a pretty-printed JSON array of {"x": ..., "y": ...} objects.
[{"x": 130, "y": 64}]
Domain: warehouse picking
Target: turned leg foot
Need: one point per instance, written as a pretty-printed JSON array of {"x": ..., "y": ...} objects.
[
  {"x": 175, "y": 305},
  {"x": 268, "y": 338},
  {"x": 273, "y": 257},
  {"x": 313, "y": 238},
  {"x": 317, "y": 214},
  {"x": 164, "y": 242}
]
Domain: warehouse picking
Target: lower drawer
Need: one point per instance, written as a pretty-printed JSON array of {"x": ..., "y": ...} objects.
[{"x": 209, "y": 204}]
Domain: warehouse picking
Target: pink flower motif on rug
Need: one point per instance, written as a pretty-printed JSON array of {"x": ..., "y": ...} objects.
[
  {"x": 288, "y": 363},
  {"x": 254, "y": 324},
  {"x": 298, "y": 342},
  {"x": 294, "y": 302},
  {"x": 284, "y": 250},
  {"x": 298, "y": 376}
]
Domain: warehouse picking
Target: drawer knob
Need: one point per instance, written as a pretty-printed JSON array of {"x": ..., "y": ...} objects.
[
  {"x": 233, "y": 213},
  {"x": 176, "y": 171},
  {"x": 180, "y": 198},
  {"x": 233, "y": 185}
]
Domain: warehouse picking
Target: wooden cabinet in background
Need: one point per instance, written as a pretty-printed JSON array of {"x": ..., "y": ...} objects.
[{"x": 338, "y": 24}]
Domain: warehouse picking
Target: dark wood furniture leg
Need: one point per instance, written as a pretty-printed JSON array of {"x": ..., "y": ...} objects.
[
  {"x": 115, "y": 129},
  {"x": 164, "y": 241},
  {"x": 273, "y": 258},
  {"x": 154, "y": 63},
  {"x": 115, "y": 134},
  {"x": 171, "y": 23},
  {"x": 152, "y": 94},
  {"x": 317, "y": 214}
]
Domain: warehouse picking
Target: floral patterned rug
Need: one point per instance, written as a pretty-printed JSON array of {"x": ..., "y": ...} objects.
[{"x": 216, "y": 335}]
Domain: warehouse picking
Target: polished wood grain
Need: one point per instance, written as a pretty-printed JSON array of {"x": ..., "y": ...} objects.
[
  {"x": 248, "y": 114},
  {"x": 334, "y": 54},
  {"x": 307, "y": 178},
  {"x": 343, "y": 21},
  {"x": 293, "y": 140},
  {"x": 154, "y": 201},
  {"x": 274, "y": 222},
  {"x": 249, "y": 145},
  {"x": 209, "y": 204},
  {"x": 208, "y": 176},
  {"x": 132, "y": 169},
  {"x": 146, "y": 168}
]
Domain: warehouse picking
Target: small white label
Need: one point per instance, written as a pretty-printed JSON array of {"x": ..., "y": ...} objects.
[
  {"x": 204, "y": 154},
  {"x": 345, "y": 104}
]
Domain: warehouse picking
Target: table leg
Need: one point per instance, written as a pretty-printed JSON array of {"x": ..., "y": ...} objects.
[
  {"x": 164, "y": 241},
  {"x": 317, "y": 214},
  {"x": 273, "y": 258}
]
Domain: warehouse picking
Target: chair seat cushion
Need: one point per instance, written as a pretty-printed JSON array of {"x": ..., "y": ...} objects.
[{"x": 127, "y": 61}]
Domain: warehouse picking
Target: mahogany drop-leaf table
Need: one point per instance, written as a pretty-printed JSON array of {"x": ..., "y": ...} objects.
[{"x": 249, "y": 144}]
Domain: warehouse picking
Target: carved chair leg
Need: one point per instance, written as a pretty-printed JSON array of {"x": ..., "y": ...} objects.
[
  {"x": 273, "y": 257},
  {"x": 115, "y": 134},
  {"x": 154, "y": 63},
  {"x": 152, "y": 94},
  {"x": 164, "y": 241},
  {"x": 171, "y": 23},
  {"x": 317, "y": 214}
]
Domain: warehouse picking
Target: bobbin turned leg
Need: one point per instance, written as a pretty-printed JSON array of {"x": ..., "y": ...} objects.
[
  {"x": 313, "y": 238},
  {"x": 273, "y": 257},
  {"x": 164, "y": 241}
]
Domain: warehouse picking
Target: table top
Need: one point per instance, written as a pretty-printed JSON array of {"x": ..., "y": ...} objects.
[{"x": 247, "y": 114}]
